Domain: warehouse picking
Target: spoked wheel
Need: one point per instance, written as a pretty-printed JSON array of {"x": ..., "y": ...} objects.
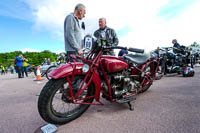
[
  {"x": 159, "y": 74},
  {"x": 49, "y": 70},
  {"x": 147, "y": 81},
  {"x": 55, "y": 104}
]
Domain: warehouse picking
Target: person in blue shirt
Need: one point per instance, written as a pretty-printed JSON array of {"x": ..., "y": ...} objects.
[
  {"x": 19, "y": 60},
  {"x": 122, "y": 52}
]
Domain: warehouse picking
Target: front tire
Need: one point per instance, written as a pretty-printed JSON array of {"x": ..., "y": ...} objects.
[{"x": 46, "y": 107}]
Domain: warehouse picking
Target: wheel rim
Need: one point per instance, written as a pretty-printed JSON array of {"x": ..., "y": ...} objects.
[{"x": 65, "y": 108}]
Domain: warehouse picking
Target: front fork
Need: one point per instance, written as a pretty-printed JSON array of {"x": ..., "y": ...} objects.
[{"x": 90, "y": 77}]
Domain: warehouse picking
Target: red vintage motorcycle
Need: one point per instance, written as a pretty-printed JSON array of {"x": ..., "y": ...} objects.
[{"x": 74, "y": 86}]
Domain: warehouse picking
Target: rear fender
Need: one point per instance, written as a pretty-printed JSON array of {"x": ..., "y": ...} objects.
[
  {"x": 154, "y": 67},
  {"x": 67, "y": 70}
]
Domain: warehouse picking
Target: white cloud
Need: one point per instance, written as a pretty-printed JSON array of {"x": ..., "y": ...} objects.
[
  {"x": 147, "y": 29},
  {"x": 59, "y": 51},
  {"x": 29, "y": 50},
  {"x": 34, "y": 50}
]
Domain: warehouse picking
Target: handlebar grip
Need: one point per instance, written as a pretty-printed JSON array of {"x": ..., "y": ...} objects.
[{"x": 136, "y": 50}]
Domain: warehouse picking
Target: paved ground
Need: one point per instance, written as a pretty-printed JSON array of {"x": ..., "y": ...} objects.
[{"x": 171, "y": 105}]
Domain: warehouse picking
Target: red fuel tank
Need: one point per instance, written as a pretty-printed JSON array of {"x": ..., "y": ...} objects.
[{"x": 113, "y": 64}]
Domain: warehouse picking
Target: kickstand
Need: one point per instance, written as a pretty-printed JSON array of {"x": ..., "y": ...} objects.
[{"x": 131, "y": 107}]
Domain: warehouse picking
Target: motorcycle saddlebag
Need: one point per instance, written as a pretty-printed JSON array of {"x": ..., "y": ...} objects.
[{"x": 188, "y": 72}]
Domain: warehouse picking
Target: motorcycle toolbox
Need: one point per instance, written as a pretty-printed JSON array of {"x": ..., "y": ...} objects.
[{"x": 188, "y": 72}]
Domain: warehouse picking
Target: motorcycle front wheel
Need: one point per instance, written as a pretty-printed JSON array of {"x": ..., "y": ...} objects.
[{"x": 53, "y": 104}]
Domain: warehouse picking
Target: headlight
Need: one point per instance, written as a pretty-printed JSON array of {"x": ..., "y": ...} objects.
[{"x": 85, "y": 68}]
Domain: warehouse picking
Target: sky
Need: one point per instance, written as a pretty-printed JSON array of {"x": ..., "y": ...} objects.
[{"x": 37, "y": 25}]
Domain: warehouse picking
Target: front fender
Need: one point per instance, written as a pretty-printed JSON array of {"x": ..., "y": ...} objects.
[{"x": 67, "y": 70}]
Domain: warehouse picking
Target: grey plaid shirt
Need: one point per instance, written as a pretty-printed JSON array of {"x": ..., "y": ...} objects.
[{"x": 72, "y": 33}]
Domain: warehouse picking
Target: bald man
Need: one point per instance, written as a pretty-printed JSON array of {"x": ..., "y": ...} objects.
[{"x": 110, "y": 34}]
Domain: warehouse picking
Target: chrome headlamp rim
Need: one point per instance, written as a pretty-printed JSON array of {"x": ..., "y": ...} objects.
[{"x": 85, "y": 68}]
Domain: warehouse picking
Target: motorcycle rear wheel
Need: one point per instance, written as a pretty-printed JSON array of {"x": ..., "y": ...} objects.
[
  {"x": 50, "y": 113},
  {"x": 147, "y": 70}
]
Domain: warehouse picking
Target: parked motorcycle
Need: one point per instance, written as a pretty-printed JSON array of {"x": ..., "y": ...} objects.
[
  {"x": 177, "y": 62},
  {"x": 74, "y": 86},
  {"x": 194, "y": 55},
  {"x": 58, "y": 63},
  {"x": 160, "y": 55}
]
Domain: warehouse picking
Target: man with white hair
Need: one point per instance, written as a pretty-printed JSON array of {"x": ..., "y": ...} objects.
[
  {"x": 72, "y": 30},
  {"x": 110, "y": 34}
]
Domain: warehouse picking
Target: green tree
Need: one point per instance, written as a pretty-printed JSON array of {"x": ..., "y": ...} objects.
[{"x": 34, "y": 58}]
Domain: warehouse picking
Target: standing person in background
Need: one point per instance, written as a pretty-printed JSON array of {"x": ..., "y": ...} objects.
[
  {"x": 176, "y": 46},
  {"x": 109, "y": 34},
  {"x": 61, "y": 58},
  {"x": 45, "y": 62},
  {"x": 12, "y": 69},
  {"x": 72, "y": 31},
  {"x": 6, "y": 70},
  {"x": 2, "y": 70},
  {"x": 19, "y": 61},
  {"x": 24, "y": 67},
  {"x": 48, "y": 62}
]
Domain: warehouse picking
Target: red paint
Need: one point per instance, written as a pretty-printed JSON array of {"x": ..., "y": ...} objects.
[
  {"x": 66, "y": 70},
  {"x": 113, "y": 64}
]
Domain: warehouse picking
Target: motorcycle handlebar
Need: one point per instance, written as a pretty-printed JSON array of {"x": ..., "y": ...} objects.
[{"x": 136, "y": 50}]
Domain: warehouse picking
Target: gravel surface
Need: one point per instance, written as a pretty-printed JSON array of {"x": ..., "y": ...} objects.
[{"x": 171, "y": 105}]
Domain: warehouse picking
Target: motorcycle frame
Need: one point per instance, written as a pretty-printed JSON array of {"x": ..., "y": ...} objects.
[{"x": 92, "y": 75}]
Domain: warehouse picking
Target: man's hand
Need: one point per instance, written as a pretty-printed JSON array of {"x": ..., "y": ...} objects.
[{"x": 80, "y": 52}]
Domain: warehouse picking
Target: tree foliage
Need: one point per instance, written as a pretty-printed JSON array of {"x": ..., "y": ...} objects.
[
  {"x": 195, "y": 45},
  {"x": 34, "y": 58}
]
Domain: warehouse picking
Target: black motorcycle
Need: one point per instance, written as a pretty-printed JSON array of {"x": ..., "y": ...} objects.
[
  {"x": 176, "y": 62},
  {"x": 160, "y": 54}
]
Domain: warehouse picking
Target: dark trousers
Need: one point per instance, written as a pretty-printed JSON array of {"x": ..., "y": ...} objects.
[
  {"x": 19, "y": 71},
  {"x": 2, "y": 72},
  {"x": 24, "y": 70}
]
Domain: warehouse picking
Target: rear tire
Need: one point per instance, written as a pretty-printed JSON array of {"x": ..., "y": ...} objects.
[{"x": 45, "y": 102}]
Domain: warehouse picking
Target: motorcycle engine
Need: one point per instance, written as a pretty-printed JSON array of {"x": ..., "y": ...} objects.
[{"x": 122, "y": 84}]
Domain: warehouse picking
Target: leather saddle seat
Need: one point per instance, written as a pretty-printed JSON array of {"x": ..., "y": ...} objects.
[{"x": 135, "y": 59}]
